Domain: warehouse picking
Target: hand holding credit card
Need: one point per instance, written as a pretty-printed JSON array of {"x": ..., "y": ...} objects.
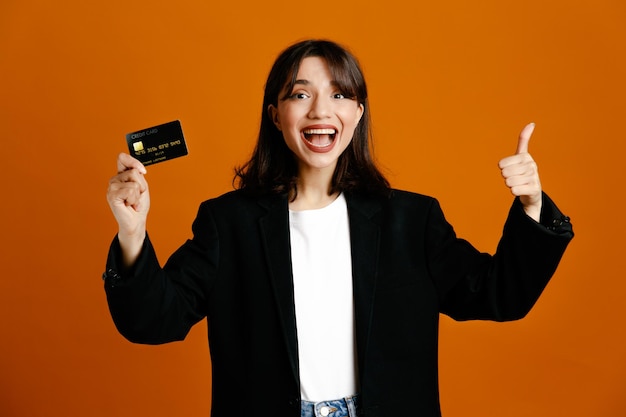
[{"x": 158, "y": 143}]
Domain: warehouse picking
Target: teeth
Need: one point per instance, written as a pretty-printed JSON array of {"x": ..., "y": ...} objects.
[{"x": 319, "y": 131}]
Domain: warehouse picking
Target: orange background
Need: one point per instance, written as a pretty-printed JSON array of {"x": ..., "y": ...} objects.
[{"x": 451, "y": 85}]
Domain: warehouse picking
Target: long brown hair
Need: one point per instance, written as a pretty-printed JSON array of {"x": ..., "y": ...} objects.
[{"x": 273, "y": 167}]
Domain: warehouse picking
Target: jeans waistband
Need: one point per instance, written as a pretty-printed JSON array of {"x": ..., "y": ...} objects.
[{"x": 344, "y": 407}]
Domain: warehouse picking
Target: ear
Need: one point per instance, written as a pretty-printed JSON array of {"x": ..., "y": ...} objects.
[
  {"x": 359, "y": 113},
  {"x": 272, "y": 111}
]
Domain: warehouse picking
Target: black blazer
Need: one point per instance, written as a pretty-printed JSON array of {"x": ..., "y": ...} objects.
[{"x": 408, "y": 267}]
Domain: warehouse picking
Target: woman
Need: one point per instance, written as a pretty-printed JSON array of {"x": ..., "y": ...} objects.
[{"x": 323, "y": 286}]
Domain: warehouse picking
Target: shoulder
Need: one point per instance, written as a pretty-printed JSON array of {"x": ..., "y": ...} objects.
[
  {"x": 394, "y": 196},
  {"x": 237, "y": 202},
  {"x": 401, "y": 197},
  {"x": 398, "y": 203},
  {"x": 410, "y": 207},
  {"x": 230, "y": 198}
]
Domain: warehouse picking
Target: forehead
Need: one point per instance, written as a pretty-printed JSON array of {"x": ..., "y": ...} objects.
[
  {"x": 339, "y": 71},
  {"x": 313, "y": 66},
  {"x": 311, "y": 71}
]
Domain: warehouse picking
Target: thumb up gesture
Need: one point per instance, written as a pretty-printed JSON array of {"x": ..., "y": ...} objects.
[{"x": 521, "y": 176}]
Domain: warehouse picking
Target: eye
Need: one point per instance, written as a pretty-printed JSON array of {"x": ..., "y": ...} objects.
[
  {"x": 339, "y": 96},
  {"x": 298, "y": 96}
]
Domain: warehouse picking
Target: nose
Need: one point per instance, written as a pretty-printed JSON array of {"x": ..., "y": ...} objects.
[{"x": 320, "y": 107}]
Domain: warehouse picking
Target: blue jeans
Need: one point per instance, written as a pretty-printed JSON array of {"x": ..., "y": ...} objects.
[{"x": 345, "y": 407}]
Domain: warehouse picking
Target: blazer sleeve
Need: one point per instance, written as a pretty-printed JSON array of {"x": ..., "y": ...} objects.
[
  {"x": 155, "y": 305},
  {"x": 504, "y": 286}
]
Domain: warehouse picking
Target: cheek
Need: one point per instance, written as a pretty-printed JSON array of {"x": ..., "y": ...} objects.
[
  {"x": 289, "y": 115},
  {"x": 291, "y": 138},
  {"x": 350, "y": 127},
  {"x": 349, "y": 133},
  {"x": 354, "y": 116}
]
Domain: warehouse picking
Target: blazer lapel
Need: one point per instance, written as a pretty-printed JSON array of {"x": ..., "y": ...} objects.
[
  {"x": 275, "y": 232},
  {"x": 364, "y": 240}
]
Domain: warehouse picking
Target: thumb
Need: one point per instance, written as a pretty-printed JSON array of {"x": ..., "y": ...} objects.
[
  {"x": 524, "y": 138},
  {"x": 125, "y": 162}
]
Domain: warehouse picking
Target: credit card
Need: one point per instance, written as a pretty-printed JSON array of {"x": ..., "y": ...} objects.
[{"x": 158, "y": 143}]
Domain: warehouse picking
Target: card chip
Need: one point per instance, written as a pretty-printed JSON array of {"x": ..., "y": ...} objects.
[{"x": 138, "y": 146}]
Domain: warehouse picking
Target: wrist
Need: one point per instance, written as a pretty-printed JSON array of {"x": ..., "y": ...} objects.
[
  {"x": 532, "y": 206},
  {"x": 533, "y": 212},
  {"x": 131, "y": 245}
]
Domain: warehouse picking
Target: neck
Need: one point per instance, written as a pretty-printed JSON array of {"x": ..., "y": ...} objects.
[{"x": 313, "y": 190}]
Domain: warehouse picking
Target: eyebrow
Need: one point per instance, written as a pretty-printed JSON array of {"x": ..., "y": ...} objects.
[{"x": 303, "y": 82}]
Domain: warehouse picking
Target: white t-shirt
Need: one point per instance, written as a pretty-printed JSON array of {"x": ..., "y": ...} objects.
[{"x": 322, "y": 274}]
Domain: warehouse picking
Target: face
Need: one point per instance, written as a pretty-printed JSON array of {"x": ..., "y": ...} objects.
[{"x": 316, "y": 119}]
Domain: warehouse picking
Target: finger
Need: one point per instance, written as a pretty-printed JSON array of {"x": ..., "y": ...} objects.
[
  {"x": 126, "y": 162},
  {"x": 529, "y": 190},
  {"x": 515, "y": 160},
  {"x": 518, "y": 165},
  {"x": 127, "y": 194},
  {"x": 128, "y": 188},
  {"x": 131, "y": 175},
  {"x": 124, "y": 194},
  {"x": 518, "y": 181},
  {"x": 524, "y": 138}
]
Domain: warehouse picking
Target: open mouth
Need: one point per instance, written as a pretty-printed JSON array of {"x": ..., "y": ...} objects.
[{"x": 319, "y": 137}]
